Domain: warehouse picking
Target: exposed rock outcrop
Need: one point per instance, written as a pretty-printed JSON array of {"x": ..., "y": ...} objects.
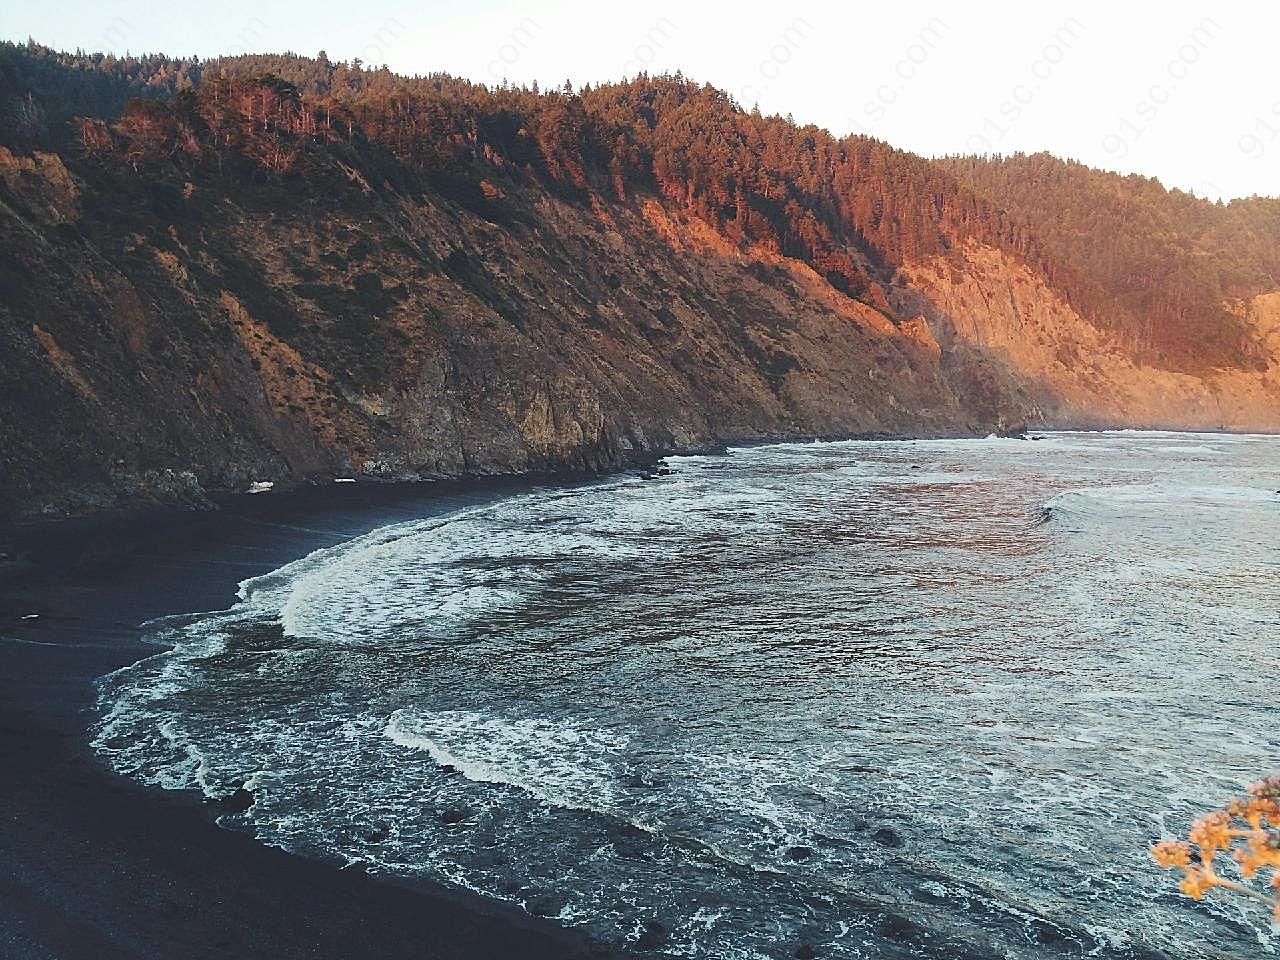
[
  {"x": 980, "y": 300},
  {"x": 226, "y": 340},
  {"x": 162, "y": 342}
]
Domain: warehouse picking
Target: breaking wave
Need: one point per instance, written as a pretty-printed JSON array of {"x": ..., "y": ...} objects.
[{"x": 918, "y": 699}]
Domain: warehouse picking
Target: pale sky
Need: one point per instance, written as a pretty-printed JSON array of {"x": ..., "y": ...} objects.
[{"x": 1184, "y": 91}]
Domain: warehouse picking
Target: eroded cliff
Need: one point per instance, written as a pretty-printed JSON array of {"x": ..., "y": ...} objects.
[
  {"x": 350, "y": 273},
  {"x": 1078, "y": 374},
  {"x": 230, "y": 340}
]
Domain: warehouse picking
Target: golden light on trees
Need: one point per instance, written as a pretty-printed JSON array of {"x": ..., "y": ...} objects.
[{"x": 1245, "y": 830}]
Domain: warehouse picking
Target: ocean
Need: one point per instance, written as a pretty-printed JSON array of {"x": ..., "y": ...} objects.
[{"x": 854, "y": 699}]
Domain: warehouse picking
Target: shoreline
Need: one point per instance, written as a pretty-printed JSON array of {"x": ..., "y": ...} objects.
[
  {"x": 312, "y": 487},
  {"x": 96, "y": 865}
]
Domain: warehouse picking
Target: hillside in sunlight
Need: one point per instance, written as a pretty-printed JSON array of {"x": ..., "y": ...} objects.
[{"x": 277, "y": 267}]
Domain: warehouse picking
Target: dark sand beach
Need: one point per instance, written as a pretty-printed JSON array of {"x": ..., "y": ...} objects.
[{"x": 95, "y": 866}]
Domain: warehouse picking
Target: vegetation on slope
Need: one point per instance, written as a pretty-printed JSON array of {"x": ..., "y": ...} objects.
[
  {"x": 1149, "y": 265},
  {"x": 272, "y": 267}
]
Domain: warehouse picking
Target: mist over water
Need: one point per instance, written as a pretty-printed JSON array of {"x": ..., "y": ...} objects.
[{"x": 916, "y": 699}]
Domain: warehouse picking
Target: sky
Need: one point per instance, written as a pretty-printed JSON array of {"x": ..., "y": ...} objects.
[{"x": 1184, "y": 91}]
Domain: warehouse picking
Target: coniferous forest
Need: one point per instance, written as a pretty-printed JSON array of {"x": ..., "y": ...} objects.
[
  {"x": 1153, "y": 264},
  {"x": 158, "y": 157}
]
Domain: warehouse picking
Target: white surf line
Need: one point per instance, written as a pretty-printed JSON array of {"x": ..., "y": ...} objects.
[
  {"x": 294, "y": 527},
  {"x": 55, "y": 643}
]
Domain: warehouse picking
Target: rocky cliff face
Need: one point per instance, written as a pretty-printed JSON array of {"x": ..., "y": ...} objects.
[
  {"x": 277, "y": 268},
  {"x": 164, "y": 339},
  {"x": 1078, "y": 375},
  {"x": 161, "y": 342}
]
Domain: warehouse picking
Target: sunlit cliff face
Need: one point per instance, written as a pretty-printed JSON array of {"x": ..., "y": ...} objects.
[{"x": 256, "y": 280}]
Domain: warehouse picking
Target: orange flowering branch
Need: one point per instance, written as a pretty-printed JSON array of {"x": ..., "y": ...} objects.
[{"x": 1245, "y": 829}]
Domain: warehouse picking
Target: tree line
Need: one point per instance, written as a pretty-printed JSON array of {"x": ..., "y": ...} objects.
[{"x": 1149, "y": 264}]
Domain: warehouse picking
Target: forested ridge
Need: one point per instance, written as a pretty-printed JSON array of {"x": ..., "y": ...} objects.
[
  {"x": 1149, "y": 264},
  {"x": 282, "y": 267}
]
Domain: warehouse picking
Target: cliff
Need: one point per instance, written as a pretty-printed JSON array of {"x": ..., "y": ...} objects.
[
  {"x": 191, "y": 303},
  {"x": 1083, "y": 376},
  {"x": 234, "y": 340}
]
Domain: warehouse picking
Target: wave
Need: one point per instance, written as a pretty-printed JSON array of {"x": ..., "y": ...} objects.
[
  {"x": 1135, "y": 497},
  {"x": 559, "y": 762},
  {"x": 721, "y": 700}
]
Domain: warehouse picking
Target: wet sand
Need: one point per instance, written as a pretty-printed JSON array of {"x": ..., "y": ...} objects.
[{"x": 96, "y": 866}]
